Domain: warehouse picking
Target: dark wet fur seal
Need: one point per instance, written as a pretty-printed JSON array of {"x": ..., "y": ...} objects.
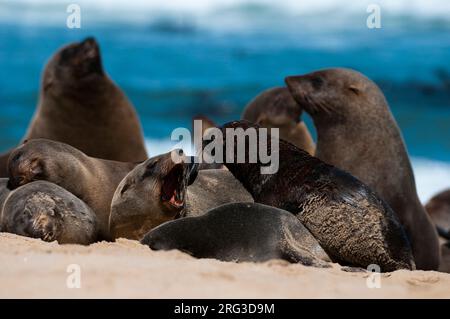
[
  {"x": 81, "y": 106},
  {"x": 438, "y": 207},
  {"x": 276, "y": 108},
  {"x": 240, "y": 232},
  {"x": 49, "y": 212},
  {"x": 352, "y": 224},
  {"x": 357, "y": 133},
  {"x": 160, "y": 190},
  {"x": 92, "y": 180},
  {"x": 152, "y": 193}
]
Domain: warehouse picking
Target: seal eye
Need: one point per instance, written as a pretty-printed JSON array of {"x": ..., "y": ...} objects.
[{"x": 149, "y": 169}]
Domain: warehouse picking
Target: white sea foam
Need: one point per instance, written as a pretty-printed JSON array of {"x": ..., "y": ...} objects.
[
  {"x": 215, "y": 13},
  {"x": 431, "y": 176}
]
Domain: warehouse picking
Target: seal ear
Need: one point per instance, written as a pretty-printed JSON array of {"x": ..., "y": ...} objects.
[{"x": 354, "y": 89}]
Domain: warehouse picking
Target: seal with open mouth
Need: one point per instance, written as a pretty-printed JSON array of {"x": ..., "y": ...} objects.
[
  {"x": 161, "y": 189},
  {"x": 152, "y": 193}
]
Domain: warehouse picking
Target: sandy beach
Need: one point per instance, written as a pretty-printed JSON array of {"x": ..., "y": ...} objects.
[{"x": 32, "y": 268}]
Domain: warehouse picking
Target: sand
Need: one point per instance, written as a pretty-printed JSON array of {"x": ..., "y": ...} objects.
[{"x": 32, "y": 268}]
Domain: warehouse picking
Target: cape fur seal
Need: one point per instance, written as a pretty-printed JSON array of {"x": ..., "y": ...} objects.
[
  {"x": 240, "y": 232},
  {"x": 438, "y": 208},
  {"x": 357, "y": 133},
  {"x": 160, "y": 190},
  {"x": 153, "y": 192},
  {"x": 49, "y": 212},
  {"x": 276, "y": 108},
  {"x": 81, "y": 106},
  {"x": 350, "y": 222},
  {"x": 92, "y": 180}
]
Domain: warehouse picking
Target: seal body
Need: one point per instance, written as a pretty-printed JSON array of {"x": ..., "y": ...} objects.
[
  {"x": 276, "y": 108},
  {"x": 240, "y": 232},
  {"x": 352, "y": 224},
  {"x": 81, "y": 106},
  {"x": 161, "y": 189},
  {"x": 49, "y": 212},
  {"x": 92, "y": 180},
  {"x": 357, "y": 133}
]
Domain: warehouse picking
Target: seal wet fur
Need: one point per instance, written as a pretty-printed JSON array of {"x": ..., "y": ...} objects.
[{"x": 353, "y": 225}]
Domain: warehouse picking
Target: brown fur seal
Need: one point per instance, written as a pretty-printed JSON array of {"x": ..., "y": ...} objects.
[
  {"x": 357, "y": 133},
  {"x": 92, "y": 180},
  {"x": 352, "y": 224},
  {"x": 240, "y": 232},
  {"x": 276, "y": 108},
  {"x": 438, "y": 208},
  {"x": 49, "y": 212},
  {"x": 153, "y": 192},
  {"x": 147, "y": 196},
  {"x": 81, "y": 106}
]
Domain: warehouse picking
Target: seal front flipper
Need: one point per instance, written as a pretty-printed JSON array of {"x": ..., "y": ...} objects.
[{"x": 240, "y": 232}]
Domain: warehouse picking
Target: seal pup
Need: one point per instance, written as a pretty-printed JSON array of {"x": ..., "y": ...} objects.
[
  {"x": 47, "y": 211},
  {"x": 357, "y": 133},
  {"x": 81, "y": 106},
  {"x": 240, "y": 232},
  {"x": 160, "y": 190},
  {"x": 276, "y": 108},
  {"x": 438, "y": 207},
  {"x": 352, "y": 224},
  {"x": 92, "y": 180}
]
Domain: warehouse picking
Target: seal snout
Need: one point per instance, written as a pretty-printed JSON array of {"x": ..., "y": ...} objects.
[{"x": 84, "y": 56}]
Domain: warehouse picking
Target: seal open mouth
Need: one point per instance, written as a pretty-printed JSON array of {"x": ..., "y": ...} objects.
[{"x": 173, "y": 187}]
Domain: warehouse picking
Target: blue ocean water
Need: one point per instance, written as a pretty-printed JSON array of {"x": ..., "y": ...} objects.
[{"x": 182, "y": 59}]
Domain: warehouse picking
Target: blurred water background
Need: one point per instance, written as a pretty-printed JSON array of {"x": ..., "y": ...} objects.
[{"x": 176, "y": 59}]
